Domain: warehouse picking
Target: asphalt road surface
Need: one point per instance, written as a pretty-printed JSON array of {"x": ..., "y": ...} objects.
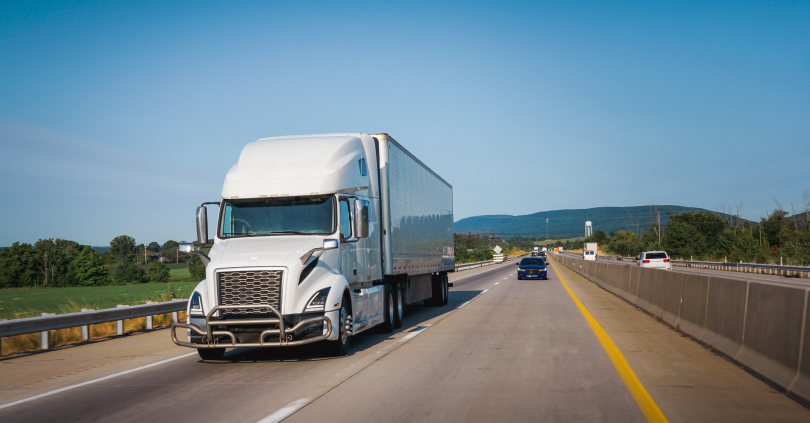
[{"x": 502, "y": 350}]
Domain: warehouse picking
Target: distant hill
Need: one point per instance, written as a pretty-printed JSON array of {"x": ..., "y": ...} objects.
[{"x": 568, "y": 223}]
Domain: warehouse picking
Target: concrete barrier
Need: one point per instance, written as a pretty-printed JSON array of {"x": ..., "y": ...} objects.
[
  {"x": 764, "y": 327},
  {"x": 773, "y": 334},
  {"x": 725, "y": 314},
  {"x": 671, "y": 304},
  {"x": 651, "y": 290}
]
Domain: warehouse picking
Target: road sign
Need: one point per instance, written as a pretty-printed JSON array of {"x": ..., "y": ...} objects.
[{"x": 497, "y": 249}]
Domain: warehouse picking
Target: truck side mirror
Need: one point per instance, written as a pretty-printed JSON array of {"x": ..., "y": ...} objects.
[
  {"x": 186, "y": 247},
  {"x": 202, "y": 225},
  {"x": 360, "y": 219}
]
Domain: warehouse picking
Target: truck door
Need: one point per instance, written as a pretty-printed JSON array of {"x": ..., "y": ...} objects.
[{"x": 348, "y": 250}]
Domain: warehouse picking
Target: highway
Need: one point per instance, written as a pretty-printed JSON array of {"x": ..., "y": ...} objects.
[{"x": 502, "y": 350}]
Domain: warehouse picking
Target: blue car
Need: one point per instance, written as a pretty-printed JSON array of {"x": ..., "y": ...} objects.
[{"x": 532, "y": 268}]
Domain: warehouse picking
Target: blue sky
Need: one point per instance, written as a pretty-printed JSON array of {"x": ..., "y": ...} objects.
[{"x": 121, "y": 117}]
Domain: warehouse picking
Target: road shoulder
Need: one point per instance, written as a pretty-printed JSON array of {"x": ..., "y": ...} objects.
[{"x": 688, "y": 381}]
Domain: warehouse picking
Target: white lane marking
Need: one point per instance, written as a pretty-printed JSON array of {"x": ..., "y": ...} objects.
[
  {"x": 497, "y": 283},
  {"x": 462, "y": 304},
  {"x": 90, "y": 382},
  {"x": 483, "y": 291},
  {"x": 285, "y": 411},
  {"x": 294, "y": 406}
]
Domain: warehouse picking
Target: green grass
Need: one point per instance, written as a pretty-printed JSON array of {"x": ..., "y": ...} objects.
[
  {"x": 179, "y": 274},
  {"x": 18, "y": 303}
]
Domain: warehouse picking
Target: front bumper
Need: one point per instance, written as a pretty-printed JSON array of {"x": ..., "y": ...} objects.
[
  {"x": 276, "y": 328},
  {"x": 540, "y": 274}
]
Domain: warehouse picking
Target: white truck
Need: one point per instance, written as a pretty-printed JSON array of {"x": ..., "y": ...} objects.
[
  {"x": 590, "y": 251},
  {"x": 319, "y": 237}
]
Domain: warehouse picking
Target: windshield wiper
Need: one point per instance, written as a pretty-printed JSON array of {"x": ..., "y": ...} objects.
[
  {"x": 288, "y": 232},
  {"x": 238, "y": 233}
]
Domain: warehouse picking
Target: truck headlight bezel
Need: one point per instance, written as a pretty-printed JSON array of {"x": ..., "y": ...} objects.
[
  {"x": 195, "y": 303},
  {"x": 318, "y": 301}
]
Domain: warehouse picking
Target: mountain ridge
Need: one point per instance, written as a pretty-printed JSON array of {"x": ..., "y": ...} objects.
[{"x": 566, "y": 223}]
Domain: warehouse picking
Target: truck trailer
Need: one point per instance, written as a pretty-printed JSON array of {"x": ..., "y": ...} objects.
[{"x": 318, "y": 238}]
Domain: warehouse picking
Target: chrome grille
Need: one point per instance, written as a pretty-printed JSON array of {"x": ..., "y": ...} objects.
[
  {"x": 531, "y": 273},
  {"x": 250, "y": 287}
]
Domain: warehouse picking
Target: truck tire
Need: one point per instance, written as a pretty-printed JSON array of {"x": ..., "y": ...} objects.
[
  {"x": 340, "y": 347},
  {"x": 389, "y": 310},
  {"x": 437, "y": 300},
  {"x": 399, "y": 303},
  {"x": 211, "y": 353},
  {"x": 446, "y": 284}
]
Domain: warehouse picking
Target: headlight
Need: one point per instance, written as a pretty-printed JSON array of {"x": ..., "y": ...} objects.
[
  {"x": 196, "y": 302},
  {"x": 318, "y": 301}
]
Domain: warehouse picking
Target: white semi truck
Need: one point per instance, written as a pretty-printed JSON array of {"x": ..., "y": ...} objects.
[{"x": 319, "y": 237}]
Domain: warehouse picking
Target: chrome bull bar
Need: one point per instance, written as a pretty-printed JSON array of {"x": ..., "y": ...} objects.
[{"x": 212, "y": 335}]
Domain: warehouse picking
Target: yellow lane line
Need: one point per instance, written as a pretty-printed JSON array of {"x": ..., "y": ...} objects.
[{"x": 640, "y": 394}]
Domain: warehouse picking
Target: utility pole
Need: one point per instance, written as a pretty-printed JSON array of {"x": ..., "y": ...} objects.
[
  {"x": 144, "y": 253},
  {"x": 177, "y": 260},
  {"x": 659, "y": 226}
]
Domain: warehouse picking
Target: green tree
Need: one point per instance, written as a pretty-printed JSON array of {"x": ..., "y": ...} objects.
[
  {"x": 122, "y": 248},
  {"x": 158, "y": 272},
  {"x": 17, "y": 266},
  {"x": 746, "y": 247},
  {"x": 624, "y": 243},
  {"x": 129, "y": 272},
  {"x": 599, "y": 237},
  {"x": 88, "y": 268},
  {"x": 53, "y": 257},
  {"x": 153, "y": 247},
  {"x": 683, "y": 240},
  {"x": 196, "y": 267},
  {"x": 169, "y": 247}
]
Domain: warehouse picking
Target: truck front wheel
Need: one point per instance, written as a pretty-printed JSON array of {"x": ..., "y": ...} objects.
[
  {"x": 389, "y": 309},
  {"x": 341, "y": 346},
  {"x": 211, "y": 353}
]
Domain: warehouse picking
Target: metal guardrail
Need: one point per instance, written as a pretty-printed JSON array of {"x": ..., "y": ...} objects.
[
  {"x": 85, "y": 318},
  {"x": 466, "y": 266},
  {"x": 741, "y": 267}
]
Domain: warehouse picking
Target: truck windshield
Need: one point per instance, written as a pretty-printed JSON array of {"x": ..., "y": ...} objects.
[{"x": 278, "y": 216}]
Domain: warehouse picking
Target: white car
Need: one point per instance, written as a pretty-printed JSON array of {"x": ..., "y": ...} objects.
[
  {"x": 655, "y": 260},
  {"x": 589, "y": 255}
]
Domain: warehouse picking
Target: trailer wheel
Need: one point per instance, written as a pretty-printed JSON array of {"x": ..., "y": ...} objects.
[
  {"x": 437, "y": 300},
  {"x": 389, "y": 308},
  {"x": 211, "y": 353},
  {"x": 341, "y": 346},
  {"x": 399, "y": 310},
  {"x": 446, "y": 289}
]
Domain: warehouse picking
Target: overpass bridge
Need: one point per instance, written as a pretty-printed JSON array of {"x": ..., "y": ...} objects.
[{"x": 565, "y": 349}]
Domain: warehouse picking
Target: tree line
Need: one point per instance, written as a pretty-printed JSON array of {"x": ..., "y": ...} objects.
[
  {"x": 58, "y": 262},
  {"x": 777, "y": 238}
]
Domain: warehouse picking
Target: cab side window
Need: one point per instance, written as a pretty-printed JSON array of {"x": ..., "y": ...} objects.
[{"x": 345, "y": 220}]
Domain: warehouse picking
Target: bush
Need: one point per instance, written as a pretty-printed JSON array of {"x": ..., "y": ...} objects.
[
  {"x": 158, "y": 272},
  {"x": 129, "y": 272}
]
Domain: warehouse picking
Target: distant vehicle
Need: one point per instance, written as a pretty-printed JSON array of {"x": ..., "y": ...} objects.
[
  {"x": 544, "y": 249},
  {"x": 541, "y": 254},
  {"x": 562, "y": 250},
  {"x": 536, "y": 249},
  {"x": 589, "y": 255},
  {"x": 532, "y": 268},
  {"x": 534, "y": 253},
  {"x": 655, "y": 259}
]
